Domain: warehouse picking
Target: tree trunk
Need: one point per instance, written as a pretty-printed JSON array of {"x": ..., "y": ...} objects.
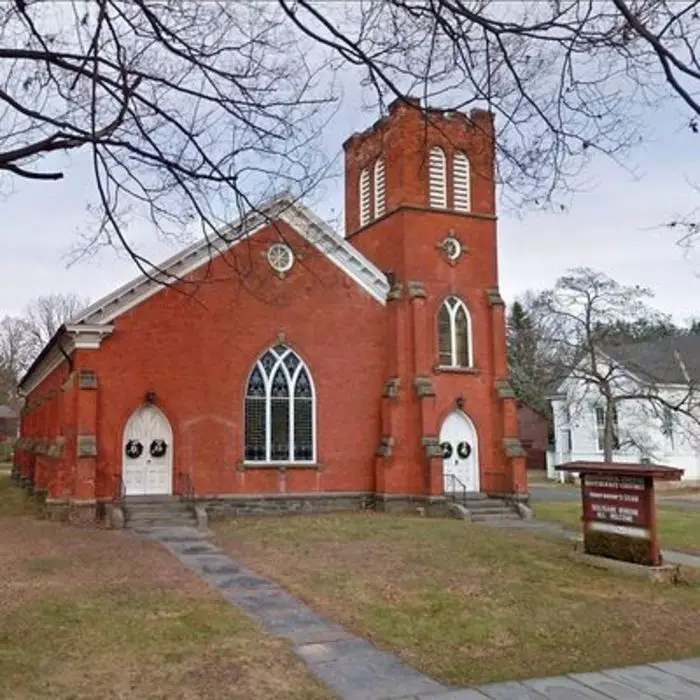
[{"x": 609, "y": 433}]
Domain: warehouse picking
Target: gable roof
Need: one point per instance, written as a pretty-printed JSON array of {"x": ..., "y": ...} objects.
[
  {"x": 284, "y": 208},
  {"x": 674, "y": 360},
  {"x": 91, "y": 325}
]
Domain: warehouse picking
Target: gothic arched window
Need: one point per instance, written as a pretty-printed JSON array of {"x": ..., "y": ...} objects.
[
  {"x": 280, "y": 410},
  {"x": 454, "y": 334}
]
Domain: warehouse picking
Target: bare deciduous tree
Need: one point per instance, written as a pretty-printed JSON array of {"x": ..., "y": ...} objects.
[
  {"x": 15, "y": 356},
  {"x": 45, "y": 315},
  {"x": 23, "y": 338},
  {"x": 188, "y": 110},
  {"x": 584, "y": 312}
]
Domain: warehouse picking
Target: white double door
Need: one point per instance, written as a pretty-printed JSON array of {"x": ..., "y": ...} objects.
[
  {"x": 147, "y": 453},
  {"x": 460, "y": 454}
]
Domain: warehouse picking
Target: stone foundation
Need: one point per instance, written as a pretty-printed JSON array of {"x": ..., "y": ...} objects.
[
  {"x": 56, "y": 509},
  {"x": 412, "y": 504},
  {"x": 222, "y": 506}
]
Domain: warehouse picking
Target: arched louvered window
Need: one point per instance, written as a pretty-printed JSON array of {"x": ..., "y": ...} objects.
[
  {"x": 365, "y": 197},
  {"x": 280, "y": 409},
  {"x": 461, "y": 200},
  {"x": 437, "y": 178},
  {"x": 379, "y": 188},
  {"x": 454, "y": 334}
]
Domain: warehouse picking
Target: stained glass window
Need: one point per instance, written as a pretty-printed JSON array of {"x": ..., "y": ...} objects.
[{"x": 280, "y": 411}]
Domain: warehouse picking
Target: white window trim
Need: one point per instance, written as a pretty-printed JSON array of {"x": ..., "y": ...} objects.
[
  {"x": 600, "y": 432},
  {"x": 365, "y": 192},
  {"x": 452, "y": 311},
  {"x": 379, "y": 188},
  {"x": 291, "y": 383},
  {"x": 461, "y": 187},
  {"x": 437, "y": 178}
]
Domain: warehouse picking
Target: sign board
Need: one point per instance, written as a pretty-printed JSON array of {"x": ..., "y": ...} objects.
[
  {"x": 621, "y": 500},
  {"x": 619, "y": 511}
]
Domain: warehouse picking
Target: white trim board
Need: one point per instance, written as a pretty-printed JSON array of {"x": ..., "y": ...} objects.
[
  {"x": 96, "y": 319},
  {"x": 342, "y": 253}
]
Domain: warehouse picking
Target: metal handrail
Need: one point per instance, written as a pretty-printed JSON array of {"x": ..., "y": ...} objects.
[
  {"x": 188, "y": 492},
  {"x": 456, "y": 486}
]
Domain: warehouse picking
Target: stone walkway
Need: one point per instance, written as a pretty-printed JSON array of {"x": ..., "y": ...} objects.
[
  {"x": 356, "y": 670},
  {"x": 670, "y": 556}
]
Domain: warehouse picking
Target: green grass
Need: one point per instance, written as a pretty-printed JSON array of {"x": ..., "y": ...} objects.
[
  {"x": 468, "y": 603},
  {"x": 15, "y": 501},
  {"x": 679, "y": 528},
  {"x": 150, "y": 644},
  {"x": 86, "y": 613}
]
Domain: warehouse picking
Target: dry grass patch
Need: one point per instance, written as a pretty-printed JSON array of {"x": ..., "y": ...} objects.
[
  {"x": 465, "y": 603},
  {"x": 679, "y": 528},
  {"x": 15, "y": 501},
  {"x": 90, "y": 614}
]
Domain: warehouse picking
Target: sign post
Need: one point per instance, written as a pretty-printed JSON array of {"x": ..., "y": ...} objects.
[{"x": 619, "y": 509}]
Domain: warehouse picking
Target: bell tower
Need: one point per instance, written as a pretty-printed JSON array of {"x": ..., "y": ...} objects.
[{"x": 420, "y": 202}]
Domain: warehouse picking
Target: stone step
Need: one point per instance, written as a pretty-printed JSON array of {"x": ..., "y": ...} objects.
[
  {"x": 493, "y": 510},
  {"x": 158, "y": 508},
  {"x": 487, "y": 517},
  {"x": 164, "y": 521}
]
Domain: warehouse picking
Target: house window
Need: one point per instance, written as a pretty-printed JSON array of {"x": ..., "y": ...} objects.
[
  {"x": 437, "y": 178},
  {"x": 460, "y": 182},
  {"x": 566, "y": 440},
  {"x": 600, "y": 428},
  {"x": 280, "y": 409},
  {"x": 454, "y": 334},
  {"x": 379, "y": 189},
  {"x": 667, "y": 424},
  {"x": 365, "y": 198}
]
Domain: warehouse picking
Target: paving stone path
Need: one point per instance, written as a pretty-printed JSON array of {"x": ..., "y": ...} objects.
[
  {"x": 356, "y": 670},
  {"x": 548, "y": 528}
]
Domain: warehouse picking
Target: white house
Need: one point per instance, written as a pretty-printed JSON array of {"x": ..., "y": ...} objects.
[{"x": 646, "y": 429}]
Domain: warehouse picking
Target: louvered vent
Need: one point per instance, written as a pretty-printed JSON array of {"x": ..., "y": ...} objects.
[
  {"x": 364, "y": 198},
  {"x": 438, "y": 188},
  {"x": 379, "y": 189},
  {"x": 461, "y": 184}
]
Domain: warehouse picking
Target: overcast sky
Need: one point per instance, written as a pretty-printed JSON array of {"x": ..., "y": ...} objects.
[{"x": 614, "y": 226}]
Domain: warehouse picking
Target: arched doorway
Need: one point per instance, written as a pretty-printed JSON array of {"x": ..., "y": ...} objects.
[
  {"x": 147, "y": 453},
  {"x": 460, "y": 452}
]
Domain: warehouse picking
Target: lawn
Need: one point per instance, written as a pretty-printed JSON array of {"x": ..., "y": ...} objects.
[
  {"x": 88, "y": 613},
  {"x": 468, "y": 603},
  {"x": 679, "y": 528}
]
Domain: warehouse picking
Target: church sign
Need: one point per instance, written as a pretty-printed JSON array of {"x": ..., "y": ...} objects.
[{"x": 619, "y": 509}]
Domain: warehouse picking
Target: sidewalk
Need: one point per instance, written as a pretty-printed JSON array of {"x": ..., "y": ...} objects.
[{"x": 354, "y": 669}]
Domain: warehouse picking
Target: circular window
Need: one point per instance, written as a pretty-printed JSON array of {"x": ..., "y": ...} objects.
[
  {"x": 280, "y": 257},
  {"x": 452, "y": 248}
]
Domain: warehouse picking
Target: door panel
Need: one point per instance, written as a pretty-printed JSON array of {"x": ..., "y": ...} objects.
[
  {"x": 458, "y": 439},
  {"x": 145, "y": 470}
]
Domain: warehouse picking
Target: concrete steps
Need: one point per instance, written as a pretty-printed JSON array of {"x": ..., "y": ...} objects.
[
  {"x": 482, "y": 509},
  {"x": 145, "y": 512}
]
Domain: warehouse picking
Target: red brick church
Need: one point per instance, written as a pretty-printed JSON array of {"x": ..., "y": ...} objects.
[{"x": 300, "y": 369}]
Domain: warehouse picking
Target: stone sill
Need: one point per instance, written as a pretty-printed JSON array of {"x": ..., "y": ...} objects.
[
  {"x": 245, "y": 466},
  {"x": 456, "y": 370}
]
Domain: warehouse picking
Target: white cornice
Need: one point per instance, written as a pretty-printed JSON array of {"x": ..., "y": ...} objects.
[
  {"x": 299, "y": 217},
  {"x": 88, "y": 337}
]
